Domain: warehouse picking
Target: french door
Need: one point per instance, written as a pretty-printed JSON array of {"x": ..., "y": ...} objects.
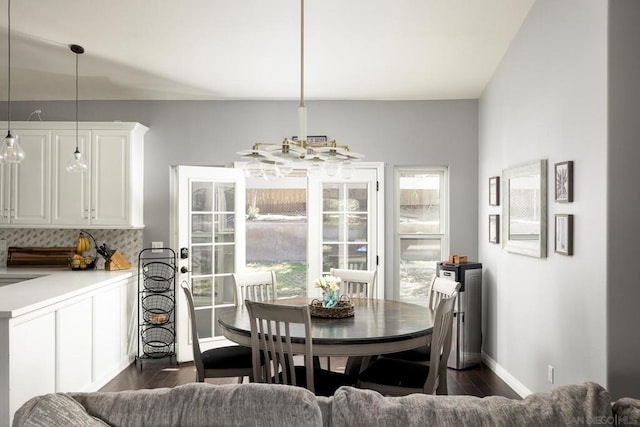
[
  {"x": 346, "y": 229},
  {"x": 208, "y": 234}
]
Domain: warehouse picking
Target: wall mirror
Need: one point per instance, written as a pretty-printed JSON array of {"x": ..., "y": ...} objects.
[{"x": 524, "y": 209}]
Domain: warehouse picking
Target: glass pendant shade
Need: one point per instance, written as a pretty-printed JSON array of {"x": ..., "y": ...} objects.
[
  {"x": 77, "y": 164},
  {"x": 10, "y": 149},
  {"x": 253, "y": 169}
]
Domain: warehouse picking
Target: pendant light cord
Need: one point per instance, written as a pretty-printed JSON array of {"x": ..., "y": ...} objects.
[
  {"x": 9, "y": 64},
  {"x": 302, "y": 53},
  {"x": 77, "y": 102}
]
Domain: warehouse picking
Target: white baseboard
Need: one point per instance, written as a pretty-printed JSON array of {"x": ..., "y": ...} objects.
[{"x": 505, "y": 376}]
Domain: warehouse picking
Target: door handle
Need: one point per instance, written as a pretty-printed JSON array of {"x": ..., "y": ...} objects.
[{"x": 184, "y": 269}]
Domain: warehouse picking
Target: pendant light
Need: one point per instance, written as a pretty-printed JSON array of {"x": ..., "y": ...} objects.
[
  {"x": 77, "y": 164},
  {"x": 10, "y": 149},
  {"x": 328, "y": 156}
]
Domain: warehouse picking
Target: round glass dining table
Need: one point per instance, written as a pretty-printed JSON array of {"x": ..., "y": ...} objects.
[{"x": 377, "y": 327}]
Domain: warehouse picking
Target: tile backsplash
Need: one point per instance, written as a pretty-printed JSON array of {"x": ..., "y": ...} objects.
[{"x": 127, "y": 242}]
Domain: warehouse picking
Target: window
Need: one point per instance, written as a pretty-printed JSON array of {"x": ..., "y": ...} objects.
[{"x": 421, "y": 229}]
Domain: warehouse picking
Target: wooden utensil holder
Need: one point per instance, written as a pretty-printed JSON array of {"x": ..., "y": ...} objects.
[{"x": 116, "y": 262}]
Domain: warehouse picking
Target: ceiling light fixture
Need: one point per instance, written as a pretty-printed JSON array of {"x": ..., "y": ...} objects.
[
  {"x": 10, "y": 149},
  {"x": 266, "y": 157},
  {"x": 77, "y": 164}
]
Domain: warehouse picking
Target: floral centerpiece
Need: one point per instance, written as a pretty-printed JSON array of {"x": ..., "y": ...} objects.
[{"x": 329, "y": 286}]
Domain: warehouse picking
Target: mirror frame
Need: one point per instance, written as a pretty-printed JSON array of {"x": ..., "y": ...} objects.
[{"x": 534, "y": 248}]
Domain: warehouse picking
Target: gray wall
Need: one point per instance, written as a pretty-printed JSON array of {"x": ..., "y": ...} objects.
[
  {"x": 548, "y": 100},
  {"x": 623, "y": 173},
  {"x": 440, "y": 133}
]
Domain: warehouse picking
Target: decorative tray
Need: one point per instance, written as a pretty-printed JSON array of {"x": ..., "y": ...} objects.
[{"x": 343, "y": 308}]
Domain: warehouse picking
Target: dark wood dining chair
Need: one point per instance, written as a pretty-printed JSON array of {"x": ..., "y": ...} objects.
[
  {"x": 221, "y": 362},
  {"x": 271, "y": 341},
  {"x": 397, "y": 377}
]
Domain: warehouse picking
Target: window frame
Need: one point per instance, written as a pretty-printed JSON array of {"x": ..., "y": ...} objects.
[{"x": 444, "y": 236}]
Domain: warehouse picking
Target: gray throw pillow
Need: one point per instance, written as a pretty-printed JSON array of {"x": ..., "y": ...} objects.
[{"x": 53, "y": 410}]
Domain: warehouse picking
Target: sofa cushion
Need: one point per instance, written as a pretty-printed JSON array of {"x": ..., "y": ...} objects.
[
  {"x": 202, "y": 404},
  {"x": 573, "y": 404},
  {"x": 54, "y": 410},
  {"x": 626, "y": 412}
]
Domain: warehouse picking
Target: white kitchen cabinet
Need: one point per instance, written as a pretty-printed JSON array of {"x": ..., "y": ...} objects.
[
  {"x": 25, "y": 187},
  {"x": 39, "y": 192},
  {"x": 74, "y": 343}
]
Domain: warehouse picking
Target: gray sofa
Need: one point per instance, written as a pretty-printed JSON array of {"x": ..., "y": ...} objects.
[{"x": 202, "y": 404}]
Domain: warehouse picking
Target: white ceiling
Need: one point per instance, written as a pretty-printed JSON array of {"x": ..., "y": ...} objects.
[{"x": 250, "y": 49}]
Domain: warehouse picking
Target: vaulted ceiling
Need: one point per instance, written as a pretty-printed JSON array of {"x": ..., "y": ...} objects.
[{"x": 250, "y": 49}]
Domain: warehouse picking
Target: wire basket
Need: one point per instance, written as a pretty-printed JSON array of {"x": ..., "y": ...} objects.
[
  {"x": 157, "y": 308},
  {"x": 343, "y": 308},
  {"x": 158, "y": 276},
  {"x": 157, "y": 341}
]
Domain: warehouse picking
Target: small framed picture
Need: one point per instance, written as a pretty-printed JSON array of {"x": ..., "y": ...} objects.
[
  {"x": 494, "y": 191},
  {"x": 564, "y": 234},
  {"x": 494, "y": 228},
  {"x": 564, "y": 181}
]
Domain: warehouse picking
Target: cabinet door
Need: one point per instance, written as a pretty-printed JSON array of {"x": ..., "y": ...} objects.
[
  {"x": 107, "y": 334},
  {"x": 70, "y": 192},
  {"x": 30, "y": 189},
  {"x": 73, "y": 346},
  {"x": 110, "y": 198},
  {"x": 33, "y": 359}
]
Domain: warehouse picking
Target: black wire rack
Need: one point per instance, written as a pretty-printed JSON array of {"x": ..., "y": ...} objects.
[{"x": 156, "y": 304}]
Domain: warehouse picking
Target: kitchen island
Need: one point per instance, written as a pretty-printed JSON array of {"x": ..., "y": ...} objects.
[{"x": 62, "y": 330}]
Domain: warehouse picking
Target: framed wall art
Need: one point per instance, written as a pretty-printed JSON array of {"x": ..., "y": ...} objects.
[
  {"x": 564, "y": 182},
  {"x": 494, "y": 191},
  {"x": 494, "y": 228},
  {"x": 564, "y": 234}
]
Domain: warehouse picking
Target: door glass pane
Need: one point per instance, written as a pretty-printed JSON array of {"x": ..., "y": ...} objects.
[
  {"x": 201, "y": 262},
  {"x": 277, "y": 230},
  {"x": 224, "y": 290},
  {"x": 345, "y": 220},
  {"x": 202, "y": 291},
  {"x": 418, "y": 259},
  {"x": 358, "y": 197},
  {"x": 201, "y": 196},
  {"x": 201, "y": 231},
  {"x": 331, "y": 197},
  {"x": 225, "y": 197},
  {"x": 225, "y": 259},
  {"x": 225, "y": 228},
  {"x": 419, "y": 199}
]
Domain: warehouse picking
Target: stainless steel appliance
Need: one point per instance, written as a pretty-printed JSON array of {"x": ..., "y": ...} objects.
[{"x": 466, "y": 342}]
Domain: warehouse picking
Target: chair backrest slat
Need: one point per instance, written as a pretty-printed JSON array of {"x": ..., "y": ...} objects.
[{"x": 271, "y": 336}]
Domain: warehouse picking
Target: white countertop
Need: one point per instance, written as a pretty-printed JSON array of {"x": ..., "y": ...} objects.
[{"x": 53, "y": 286}]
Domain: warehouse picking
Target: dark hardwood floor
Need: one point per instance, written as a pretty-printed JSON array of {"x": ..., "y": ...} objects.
[{"x": 476, "y": 381}]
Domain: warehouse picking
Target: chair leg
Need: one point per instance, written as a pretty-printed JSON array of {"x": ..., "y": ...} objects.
[{"x": 442, "y": 382}]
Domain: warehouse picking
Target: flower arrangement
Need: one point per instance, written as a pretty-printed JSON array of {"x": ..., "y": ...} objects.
[{"x": 329, "y": 286}]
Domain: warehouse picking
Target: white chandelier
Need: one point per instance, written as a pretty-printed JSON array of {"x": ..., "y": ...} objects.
[{"x": 279, "y": 159}]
